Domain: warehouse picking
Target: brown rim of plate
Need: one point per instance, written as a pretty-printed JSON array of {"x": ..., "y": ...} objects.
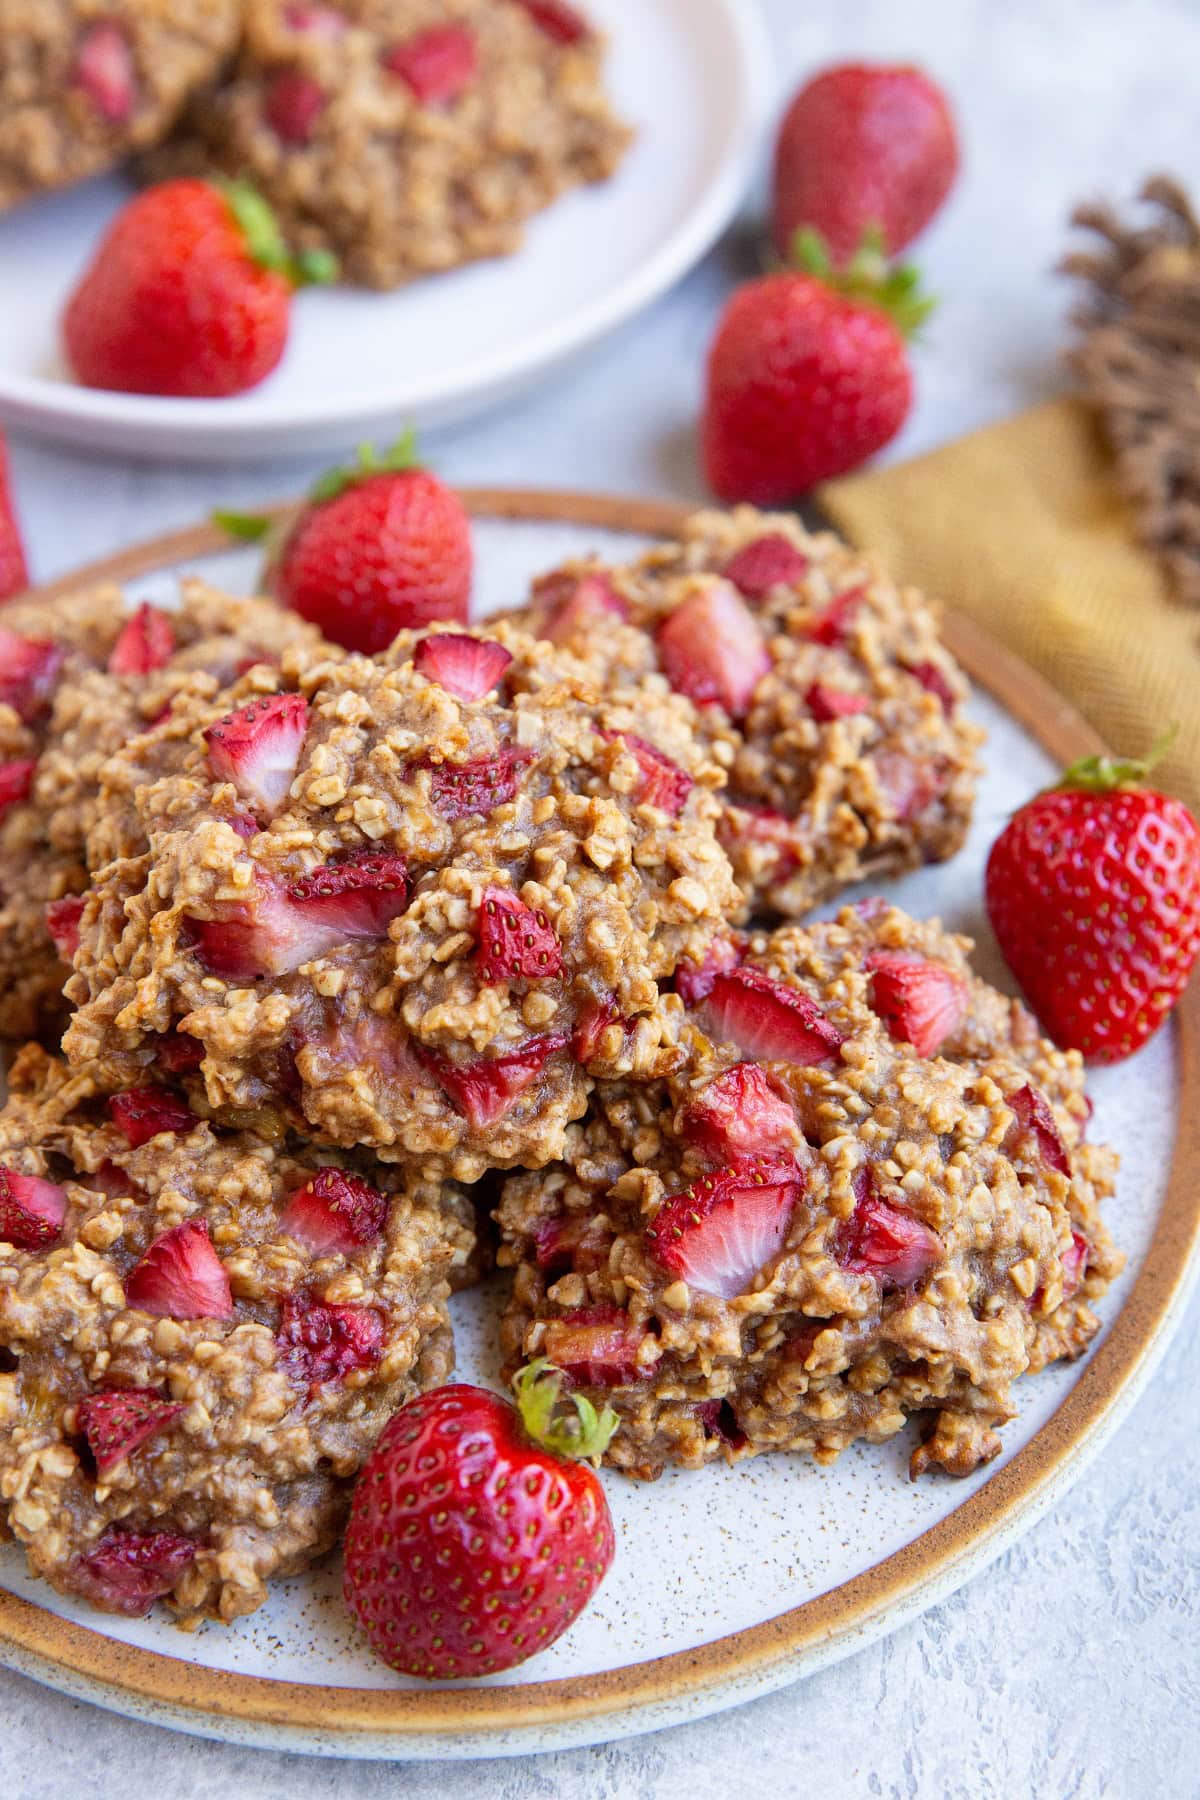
[{"x": 159, "y": 1681}]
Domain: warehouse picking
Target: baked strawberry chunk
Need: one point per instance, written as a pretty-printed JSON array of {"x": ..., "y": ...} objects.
[
  {"x": 827, "y": 703},
  {"x": 279, "y": 930},
  {"x": 833, "y": 624},
  {"x": 438, "y": 64},
  {"x": 597, "y": 1346},
  {"x": 62, "y": 922},
  {"x": 258, "y": 748},
  {"x": 560, "y": 21},
  {"x": 768, "y": 1020},
  {"x": 720, "y": 1232},
  {"x": 911, "y": 786},
  {"x": 712, "y": 649},
  {"x": 180, "y": 1277},
  {"x": 16, "y": 781},
  {"x": 104, "y": 69},
  {"x": 129, "y": 1570},
  {"x": 483, "y": 1091},
  {"x": 146, "y": 642},
  {"x": 292, "y": 105},
  {"x": 320, "y": 1343},
  {"x": 571, "y": 603},
  {"x": 719, "y": 1420},
  {"x": 515, "y": 942},
  {"x": 741, "y": 1114},
  {"x": 569, "y": 1241},
  {"x": 335, "y": 1213},
  {"x": 595, "y": 1017},
  {"x": 664, "y": 784},
  {"x": 934, "y": 682},
  {"x": 31, "y": 1210},
  {"x": 880, "y": 1240},
  {"x": 29, "y": 672},
  {"x": 141, "y": 1113},
  {"x": 769, "y": 561},
  {"x": 324, "y": 24},
  {"x": 117, "y": 1421},
  {"x": 178, "y": 1053},
  {"x": 694, "y": 981},
  {"x": 1035, "y": 1119},
  {"x": 922, "y": 1003},
  {"x": 466, "y": 790},
  {"x": 466, "y": 667},
  {"x": 1074, "y": 1264}
]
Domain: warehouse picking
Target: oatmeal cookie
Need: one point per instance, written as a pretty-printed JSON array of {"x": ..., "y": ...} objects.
[
  {"x": 406, "y": 136},
  {"x": 823, "y": 689},
  {"x": 202, "y": 1333},
  {"x": 416, "y": 902},
  {"x": 84, "y": 83},
  {"x": 80, "y": 676},
  {"x": 891, "y": 1209}
]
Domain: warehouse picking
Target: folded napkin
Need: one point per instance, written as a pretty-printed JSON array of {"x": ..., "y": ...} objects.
[{"x": 1021, "y": 526}]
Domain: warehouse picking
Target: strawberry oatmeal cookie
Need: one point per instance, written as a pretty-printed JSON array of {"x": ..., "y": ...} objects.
[
  {"x": 824, "y": 691},
  {"x": 415, "y": 902},
  {"x": 80, "y": 675},
  {"x": 866, "y": 1194},
  {"x": 406, "y": 136},
  {"x": 85, "y": 83},
  {"x": 201, "y": 1336}
]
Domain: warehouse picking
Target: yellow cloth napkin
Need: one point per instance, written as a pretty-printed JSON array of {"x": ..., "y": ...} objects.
[{"x": 1021, "y": 526}]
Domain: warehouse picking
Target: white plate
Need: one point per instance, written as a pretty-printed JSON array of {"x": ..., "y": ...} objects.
[{"x": 690, "y": 75}]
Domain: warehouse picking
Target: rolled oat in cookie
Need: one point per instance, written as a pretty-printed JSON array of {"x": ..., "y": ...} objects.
[
  {"x": 867, "y": 1194},
  {"x": 80, "y": 676},
  {"x": 825, "y": 692},
  {"x": 406, "y": 136},
  {"x": 202, "y": 1334},
  {"x": 416, "y": 902}
]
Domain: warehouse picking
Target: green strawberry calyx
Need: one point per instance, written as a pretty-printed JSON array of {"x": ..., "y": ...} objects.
[
  {"x": 1106, "y": 774},
  {"x": 266, "y": 245},
  {"x": 583, "y": 1435},
  {"x": 398, "y": 460},
  {"x": 250, "y": 528},
  {"x": 895, "y": 288}
]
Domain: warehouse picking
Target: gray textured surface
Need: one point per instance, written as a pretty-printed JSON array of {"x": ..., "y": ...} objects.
[{"x": 1070, "y": 1668}]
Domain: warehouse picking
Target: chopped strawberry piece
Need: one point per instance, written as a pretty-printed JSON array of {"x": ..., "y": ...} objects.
[
  {"x": 740, "y": 1114},
  {"x": 104, "y": 69},
  {"x": 873, "y": 906},
  {"x": 142, "y": 1113},
  {"x": 770, "y": 561},
  {"x": 116, "y": 1421},
  {"x": 466, "y": 790},
  {"x": 1074, "y": 1264},
  {"x": 31, "y": 1210},
  {"x": 333, "y": 1212},
  {"x": 744, "y": 819},
  {"x": 245, "y": 824},
  {"x": 438, "y": 64},
  {"x": 694, "y": 981},
  {"x": 147, "y": 642},
  {"x": 766, "y": 1019},
  {"x": 466, "y": 667},
  {"x": 62, "y": 922},
  {"x": 880, "y": 1240},
  {"x": 110, "y": 1181},
  {"x": 484, "y": 1091},
  {"x": 275, "y": 931},
  {"x": 178, "y": 1053},
  {"x": 320, "y": 1343},
  {"x": 595, "y": 1017},
  {"x": 799, "y": 1346},
  {"x": 129, "y": 1570},
  {"x": 261, "y": 936},
  {"x": 572, "y": 603},
  {"x": 596, "y": 1346},
  {"x": 832, "y": 624},
  {"x": 560, "y": 21},
  {"x": 664, "y": 784},
  {"x": 357, "y": 898},
  {"x": 258, "y": 747},
  {"x": 922, "y": 1003},
  {"x": 570, "y": 1242},
  {"x": 910, "y": 786},
  {"x": 292, "y": 105},
  {"x": 29, "y": 671},
  {"x": 934, "y": 682},
  {"x": 712, "y": 649},
  {"x": 827, "y": 703},
  {"x": 723, "y": 1229},
  {"x": 1034, "y": 1118},
  {"x": 16, "y": 780},
  {"x": 515, "y": 942},
  {"x": 719, "y": 1420},
  {"x": 324, "y": 24},
  {"x": 180, "y": 1277}
]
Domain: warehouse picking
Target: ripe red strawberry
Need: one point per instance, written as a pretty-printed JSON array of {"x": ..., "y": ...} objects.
[
  {"x": 767, "y": 1019},
  {"x": 258, "y": 747},
  {"x": 129, "y": 1570},
  {"x": 319, "y": 1343},
  {"x": 808, "y": 376},
  {"x": 466, "y": 667},
  {"x": 515, "y": 942},
  {"x": 741, "y": 1114},
  {"x": 827, "y": 703},
  {"x": 104, "y": 69},
  {"x": 334, "y": 1212},
  {"x": 863, "y": 146},
  {"x": 62, "y": 922},
  {"x": 833, "y": 624},
  {"x": 767, "y": 562},
  {"x": 180, "y": 1277},
  {"x": 503, "y": 1542},
  {"x": 694, "y": 981},
  {"x": 1035, "y": 1119},
  {"x": 146, "y": 642},
  {"x": 142, "y": 1113},
  {"x": 880, "y": 1240},
  {"x": 29, "y": 672},
  {"x": 484, "y": 1090},
  {"x": 664, "y": 784},
  {"x": 189, "y": 294},
  {"x": 1093, "y": 890},
  {"x": 569, "y": 604},
  {"x": 438, "y": 64},
  {"x": 16, "y": 781},
  {"x": 278, "y": 929},
  {"x": 117, "y": 1421},
  {"x": 723, "y": 1229},
  {"x": 292, "y": 104},
  {"x": 712, "y": 649},
  {"x": 31, "y": 1210},
  {"x": 559, "y": 20},
  {"x": 475, "y": 789},
  {"x": 922, "y": 1003},
  {"x": 14, "y": 575},
  {"x": 596, "y": 1346}
]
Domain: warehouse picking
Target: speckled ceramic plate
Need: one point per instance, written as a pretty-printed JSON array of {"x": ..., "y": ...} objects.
[{"x": 727, "y": 1582}]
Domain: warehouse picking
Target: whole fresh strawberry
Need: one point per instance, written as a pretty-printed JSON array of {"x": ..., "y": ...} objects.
[
  {"x": 863, "y": 146},
  {"x": 13, "y": 574},
  {"x": 472, "y": 1543},
  {"x": 808, "y": 374},
  {"x": 189, "y": 294},
  {"x": 377, "y": 548},
  {"x": 1093, "y": 890}
]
